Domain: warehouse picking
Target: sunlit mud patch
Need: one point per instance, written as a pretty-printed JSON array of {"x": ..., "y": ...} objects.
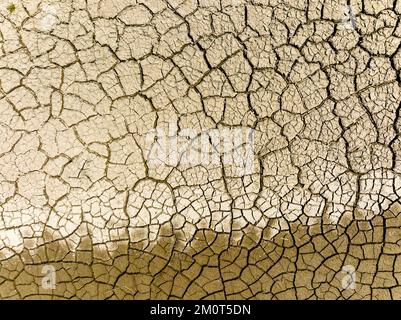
[{"x": 149, "y": 206}]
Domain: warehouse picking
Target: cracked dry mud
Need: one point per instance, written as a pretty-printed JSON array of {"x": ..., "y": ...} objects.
[{"x": 82, "y": 82}]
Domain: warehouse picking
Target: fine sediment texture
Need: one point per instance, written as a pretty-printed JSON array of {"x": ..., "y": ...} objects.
[{"x": 87, "y": 211}]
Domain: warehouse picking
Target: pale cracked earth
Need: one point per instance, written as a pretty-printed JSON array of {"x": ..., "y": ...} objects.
[{"x": 85, "y": 215}]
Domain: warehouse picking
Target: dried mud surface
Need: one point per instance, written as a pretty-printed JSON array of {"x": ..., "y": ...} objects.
[{"x": 82, "y": 82}]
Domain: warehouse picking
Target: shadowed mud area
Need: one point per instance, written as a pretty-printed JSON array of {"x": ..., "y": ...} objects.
[{"x": 200, "y": 149}]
